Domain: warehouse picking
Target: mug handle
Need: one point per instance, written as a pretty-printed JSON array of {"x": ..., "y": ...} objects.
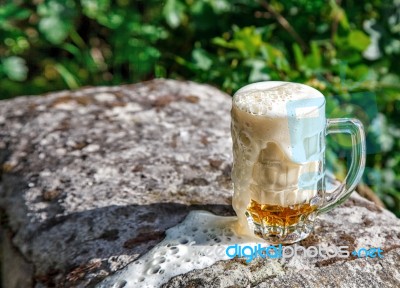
[{"x": 355, "y": 128}]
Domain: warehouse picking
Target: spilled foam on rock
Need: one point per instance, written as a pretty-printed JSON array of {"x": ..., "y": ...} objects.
[{"x": 196, "y": 243}]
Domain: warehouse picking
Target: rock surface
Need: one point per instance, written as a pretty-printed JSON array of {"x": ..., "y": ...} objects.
[{"x": 91, "y": 179}]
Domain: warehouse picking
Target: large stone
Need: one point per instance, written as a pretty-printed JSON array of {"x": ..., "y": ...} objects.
[
  {"x": 356, "y": 224},
  {"x": 91, "y": 180}
]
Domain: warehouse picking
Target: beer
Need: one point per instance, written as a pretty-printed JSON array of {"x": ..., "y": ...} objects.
[
  {"x": 278, "y": 134},
  {"x": 278, "y": 167},
  {"x": 275, "y": 219}
]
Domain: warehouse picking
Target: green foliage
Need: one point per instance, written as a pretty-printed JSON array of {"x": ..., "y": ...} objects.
[
  {"x": 56, "y": 19},
  {"x": 57, "y": 44},
  {"x": 15, "y": 68},
  {"x": 349, "y": 51}
]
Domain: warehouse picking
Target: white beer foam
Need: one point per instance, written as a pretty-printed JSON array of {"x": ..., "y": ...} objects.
[
  {"x": 307, "y": 112},
  {"x": 196, "y": 243},
  {"x": 270, "y": 98}
]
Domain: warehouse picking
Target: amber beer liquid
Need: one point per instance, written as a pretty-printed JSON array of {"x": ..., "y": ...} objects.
[
  {"x": 278, "y": 167},
  {"x": 276, "y": 215}
]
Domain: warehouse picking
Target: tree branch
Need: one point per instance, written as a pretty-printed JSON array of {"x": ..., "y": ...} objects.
[
  {"x": 335, "y": 23},
  {"x": 285, "y": 24}
]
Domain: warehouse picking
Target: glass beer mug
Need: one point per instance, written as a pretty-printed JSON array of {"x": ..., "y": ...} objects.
[{"x": 278, "y": 132}]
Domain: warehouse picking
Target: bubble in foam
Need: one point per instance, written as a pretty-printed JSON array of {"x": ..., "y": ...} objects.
[
  {"x": 157, "y": 267},
  {"x": 159, "y": 260},
  {"x": 154, "y": 269},
  {"x": 184, "y": 241},
  {"x": 218, "y": 240},
  {"x": 120, "y": 284},
  {"x": 228, "y": 232},
  {"x": 174, "y": 250}
]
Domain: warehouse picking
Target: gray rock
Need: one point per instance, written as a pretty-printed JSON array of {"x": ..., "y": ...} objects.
[
  {"x": 358, "y": 223},
  {"x": 92, "y": 178}
]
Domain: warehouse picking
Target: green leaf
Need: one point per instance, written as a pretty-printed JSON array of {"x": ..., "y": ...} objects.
[
  {"x": 56, "y": 19},
  {"x": 314, "y": 60},
  {"x": 67, "y": 76},
  {"x": 339, "y": 14},
  {"x": 390, "y": 79},
  {"x": 361, "y": 72},
  {"x": 221, "y": 6},
  {"x": 13, "y": 11},
  {"x": 54, "y": 29},
  {"x": 248, "y": 41},
  {"x": 93, "y": 8},
  {"x": 111, "y": 20},
  {"x": 173, "y": 12},
  {"x": 298, "y": 55},
  {"x": 160, "y": 71},
  {"x": 315, "y": 57},
  {"x": 258, "y": 70},
  {"x": 15, "y": 68},
  {"x": 202, "y": 60},
  {"x": 358, "y": 40},
  {"x": 72, "y": 49},
  {"x": 10, "y": 12},
  {"x": 222, "y": 42}
]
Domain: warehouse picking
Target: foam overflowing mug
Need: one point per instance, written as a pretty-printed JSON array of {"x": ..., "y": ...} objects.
[{"x": 278, "y": 132}]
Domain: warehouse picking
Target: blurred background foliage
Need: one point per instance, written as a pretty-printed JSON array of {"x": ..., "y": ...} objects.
[{"x": 349, "y": 50}]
